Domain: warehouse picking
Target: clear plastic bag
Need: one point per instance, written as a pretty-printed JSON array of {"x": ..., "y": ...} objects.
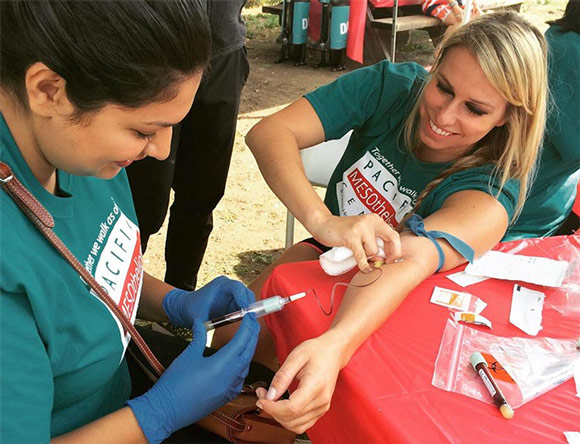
[
  {"x": 566, "y": 299},
  {"x": 524, "y": 368}
]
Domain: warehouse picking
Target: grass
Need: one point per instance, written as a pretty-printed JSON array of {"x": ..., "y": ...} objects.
[
  {"x": 258, "y": 24},
  {"x": 252, "y": 263},
  {"x": 256, "y": 3}
]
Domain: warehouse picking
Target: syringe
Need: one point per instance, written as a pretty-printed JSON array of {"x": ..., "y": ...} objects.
[{"x": 259, "y": 308}]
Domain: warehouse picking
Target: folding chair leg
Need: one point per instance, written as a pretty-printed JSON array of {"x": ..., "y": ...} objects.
[
  {"x": 394, "y": 31},
  {"x": 289, "y": 230}
]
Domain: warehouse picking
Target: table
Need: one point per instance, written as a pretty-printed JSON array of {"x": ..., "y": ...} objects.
[{"x": 385, "y": 393}]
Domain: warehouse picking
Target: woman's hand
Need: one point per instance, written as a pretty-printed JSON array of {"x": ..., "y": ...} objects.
[
  {"x": 475, "y": 10},
  {"x": 359, "y": 234},
  {"x": 315, "y": 364},
  {"x": 193, "y": 386},
  {"x": 220, "y": 297},
  {"x": 455, "y": 17}
]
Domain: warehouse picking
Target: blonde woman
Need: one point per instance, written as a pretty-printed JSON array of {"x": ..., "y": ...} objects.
[{"x": 457, "y": 147}]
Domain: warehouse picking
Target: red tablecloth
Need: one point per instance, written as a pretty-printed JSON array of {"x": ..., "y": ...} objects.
[{"x": 385, "y": 393}]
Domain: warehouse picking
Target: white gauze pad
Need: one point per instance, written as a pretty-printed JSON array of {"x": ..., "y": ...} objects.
[{"x": 339, "y": 260}]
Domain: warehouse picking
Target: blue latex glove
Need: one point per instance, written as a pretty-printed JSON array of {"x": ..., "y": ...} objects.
[
  {"x": 221, "y": 296},
  {"x": 194, "y": 386}
]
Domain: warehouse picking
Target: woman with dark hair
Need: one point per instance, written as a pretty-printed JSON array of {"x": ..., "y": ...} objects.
[
  {"x": 86, "y": 88},
  {"x": 551, "y": 197}
]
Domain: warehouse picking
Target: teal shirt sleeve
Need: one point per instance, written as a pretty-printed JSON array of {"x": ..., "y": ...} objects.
[
  {"x": 26, "y": 385},
  {"x": 563, "y": 123},
  {"x": 552, "y": 193},
  {"x": 477, "y": 179},
  {"x": 354, "y": 98}
]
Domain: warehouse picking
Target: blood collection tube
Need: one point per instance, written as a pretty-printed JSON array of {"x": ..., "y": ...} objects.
[{"x": 479, "y": 364}]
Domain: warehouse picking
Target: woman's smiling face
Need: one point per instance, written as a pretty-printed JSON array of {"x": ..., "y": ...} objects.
[
  {"x": 458, "y": 108},
  {"x": 115, "y": 136}
]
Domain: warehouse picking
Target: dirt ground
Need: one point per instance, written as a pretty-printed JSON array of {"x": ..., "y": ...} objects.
[{"x": 249, "y": 222}]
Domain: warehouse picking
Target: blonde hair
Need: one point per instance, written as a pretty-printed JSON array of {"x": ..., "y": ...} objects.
[{"x": 513, "y": 56}]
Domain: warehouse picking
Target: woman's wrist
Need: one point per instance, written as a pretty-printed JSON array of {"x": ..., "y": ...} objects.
[
  {"x": 341, "y": 343},
  {"x": 172, "y": 305},
  {"x": 316, "y": 220}
]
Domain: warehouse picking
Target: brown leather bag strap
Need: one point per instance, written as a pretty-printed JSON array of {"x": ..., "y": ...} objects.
[
  {"x": 26, "y": 201},
  {"x": 42, "y": 219},
  {"x": 232, "y": 425}
]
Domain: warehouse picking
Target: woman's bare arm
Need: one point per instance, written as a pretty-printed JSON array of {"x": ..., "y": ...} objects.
[
  {"x": 150, "y": 304},
  {"x": 119, "y": 427},
  {"x": 473, "y": 216},
  {"x": 275, "y": 142}
]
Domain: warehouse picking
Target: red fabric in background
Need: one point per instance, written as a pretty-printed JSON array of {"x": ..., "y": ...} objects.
[
  {"x": 356, "y": 26},
  {"x": 385, "y": 394},
  {"x": 314, "y": 19},
  {"x": 356, "y": 29}
]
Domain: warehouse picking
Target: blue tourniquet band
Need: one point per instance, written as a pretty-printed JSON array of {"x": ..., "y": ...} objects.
[{"x": 416, "y": 225}]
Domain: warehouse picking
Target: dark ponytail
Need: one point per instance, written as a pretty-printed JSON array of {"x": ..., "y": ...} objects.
[{"x": 126, "y": 52}]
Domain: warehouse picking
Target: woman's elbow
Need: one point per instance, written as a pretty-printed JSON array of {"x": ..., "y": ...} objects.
[{"x": 253, "y": 135}]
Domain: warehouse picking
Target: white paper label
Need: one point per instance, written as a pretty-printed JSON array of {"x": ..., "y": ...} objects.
[
  {"x": 526, "y": 310},
  {"x": 513, "y": 267}
]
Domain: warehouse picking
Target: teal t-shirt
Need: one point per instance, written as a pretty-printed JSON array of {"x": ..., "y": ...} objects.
[
  {"x": 62, "y": 351},
  {"x": 552, "y": 194},
  {"x": 377, "y": 172}
]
